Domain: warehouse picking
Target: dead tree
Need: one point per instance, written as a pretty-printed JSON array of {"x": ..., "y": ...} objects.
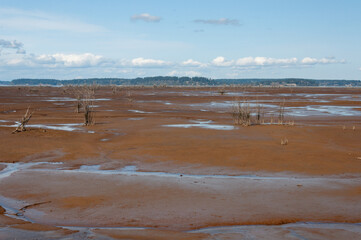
[
  {"x": 88, "y": 113},
  {"x": 26, "y": 118},
  {"x": 281, "y": 111},
  {"x": 88, "y": 93}
]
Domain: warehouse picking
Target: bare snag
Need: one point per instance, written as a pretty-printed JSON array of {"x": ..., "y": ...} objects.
[{"x": 26, "y": 118}]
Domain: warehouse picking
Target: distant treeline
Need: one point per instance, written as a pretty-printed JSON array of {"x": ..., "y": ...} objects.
[{"x": 185, "y": 81}]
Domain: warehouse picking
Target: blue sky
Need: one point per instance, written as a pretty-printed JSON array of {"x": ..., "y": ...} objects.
[{"x": 218, "y": 39}]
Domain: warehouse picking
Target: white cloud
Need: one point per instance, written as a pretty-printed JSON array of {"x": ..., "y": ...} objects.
[
  {"x": 221, "y": 21},
  {"x": 267, "y": 61},
  {"x": 184, "y": 73},
  {"x": 221, "y": 62},
  {"x": 70, "y": 60},
  {"x": 264, "y": 61},
  {"x": 141, "y": 62},
  {"x": 311, "y": 61},
  {"x": 11, "y": 18},
  {"x": 145, "y": 17},
  {"x": 72, "y": 63},
  {"x": 193, "y": 63},
  {"x": 53, "y": 60}
]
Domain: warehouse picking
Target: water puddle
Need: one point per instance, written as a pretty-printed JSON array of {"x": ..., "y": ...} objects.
[
  {"x": 132, "y": 170},
  {"x": 308, "y": 225},
  {"x": 15, "y": 167},
  {"x": 62, "y": 127},
  {"x": 323, "y": 110},
  {"x": 310, "y": 110},
  {"x": 228, "y": 104},
  {"x": 89, "y": 168},
  {"x": 11, "y": 207},
  {"x": 60, "y": 99},
  {"x": 202, "y": 124},
  {"x": 129, "y": 170},
  {"x": 138, "y": 111},
  {"x": 136, "y": 119},
  {"x": 68, "y": 99}
]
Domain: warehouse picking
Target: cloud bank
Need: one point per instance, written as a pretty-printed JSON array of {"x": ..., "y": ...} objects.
[
  {"x": 267, "y": 61},
  {"x": 16, "y": 61}
]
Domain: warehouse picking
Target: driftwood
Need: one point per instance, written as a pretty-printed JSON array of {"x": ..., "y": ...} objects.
[
  {"x": 23, "y": 209},
  {"x": 26, "y": 118}
]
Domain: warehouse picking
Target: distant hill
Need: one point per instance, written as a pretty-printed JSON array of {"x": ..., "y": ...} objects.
[
  {"x": 5, "y": 83},
  {"x": 186, "y": 81}
]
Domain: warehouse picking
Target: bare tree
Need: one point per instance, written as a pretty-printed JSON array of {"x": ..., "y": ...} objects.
[
  {"x": 88, "y": 93},
  {"x": 281, "y": 112},
  {"x": 26, "y": 118},
  {"x": 259, "y": 115}
]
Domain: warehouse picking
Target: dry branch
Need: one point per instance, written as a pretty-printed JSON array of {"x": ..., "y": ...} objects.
[{"x": 26, "y": 118}]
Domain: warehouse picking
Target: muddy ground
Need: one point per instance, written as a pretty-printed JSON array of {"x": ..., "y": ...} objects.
[{"x": 169, "y": 163}]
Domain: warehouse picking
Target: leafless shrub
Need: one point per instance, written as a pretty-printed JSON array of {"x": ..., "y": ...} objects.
[
  {"x": 241, "y": 113},
  {"x": 26, "y": 118},
  {"x": 81, "y": 93},
  {"x": 291, "y": 123},
  {"x": 221, "y": 91},
  {"x": 284, "y": 141},
  {"x": 114, "y": 88},
  {"x": 129, "y": 96}
]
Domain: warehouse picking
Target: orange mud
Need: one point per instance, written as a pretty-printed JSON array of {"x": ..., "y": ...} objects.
[{"x": 319, "y": 168}]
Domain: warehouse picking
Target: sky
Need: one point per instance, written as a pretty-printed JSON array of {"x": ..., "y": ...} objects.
[{"x": 66, "y": 39}]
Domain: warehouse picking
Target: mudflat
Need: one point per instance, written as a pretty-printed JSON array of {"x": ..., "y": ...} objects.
[{"x": 170, "y": 163}]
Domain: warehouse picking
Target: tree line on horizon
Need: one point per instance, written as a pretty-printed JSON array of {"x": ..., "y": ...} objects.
[{"x": 184, "y": 81}]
